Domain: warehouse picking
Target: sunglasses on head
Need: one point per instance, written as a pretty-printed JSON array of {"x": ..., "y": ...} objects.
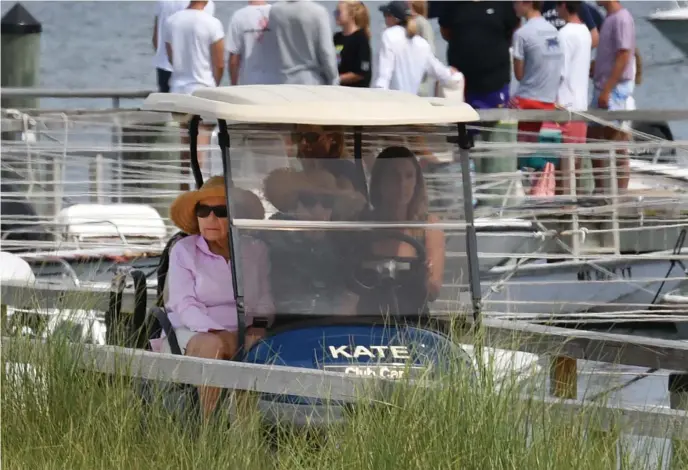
[
  {"x": 204, "y": 211},
  {"x": 310, "y": 199},
  {"x": 308, "y": 137}
]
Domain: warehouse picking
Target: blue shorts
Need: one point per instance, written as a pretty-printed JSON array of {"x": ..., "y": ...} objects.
[
  {"x": 490, "y": 100},
  {"x": 620, "y": 99}
]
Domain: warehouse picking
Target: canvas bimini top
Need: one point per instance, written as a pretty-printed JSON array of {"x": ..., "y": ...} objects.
[{"x": 309, "y": 104}]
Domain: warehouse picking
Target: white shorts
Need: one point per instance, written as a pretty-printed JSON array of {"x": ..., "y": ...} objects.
[{"x": 184, "y": 335}]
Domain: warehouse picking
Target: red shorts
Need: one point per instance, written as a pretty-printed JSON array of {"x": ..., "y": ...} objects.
[
  {"x": 528, "y": 131},
  {"x": 574, "y": 132}
]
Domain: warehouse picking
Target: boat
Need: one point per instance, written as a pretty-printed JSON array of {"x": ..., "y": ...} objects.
[{"x": 673, "y": 24}]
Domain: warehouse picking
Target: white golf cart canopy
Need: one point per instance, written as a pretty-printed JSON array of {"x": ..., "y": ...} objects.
[{"x": 317, "y": 105}]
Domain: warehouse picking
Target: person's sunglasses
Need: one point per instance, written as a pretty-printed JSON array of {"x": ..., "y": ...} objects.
[
  {"x": 204, "y": 211},
  {"x": 310, "y": 199},
  {"x": 308, "y": 137}
]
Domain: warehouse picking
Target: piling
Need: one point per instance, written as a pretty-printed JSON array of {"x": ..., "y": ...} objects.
[
  {"x": 563, "y": 377},
  {"x": 20, "y": 49},
  {"x": 678, "y": 400}
]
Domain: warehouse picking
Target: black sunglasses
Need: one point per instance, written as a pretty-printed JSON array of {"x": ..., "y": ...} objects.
[
  {"x": 308, "y": 137},
  {"x": 204, "y": 211},
  {"x": 310, "y": 199}
]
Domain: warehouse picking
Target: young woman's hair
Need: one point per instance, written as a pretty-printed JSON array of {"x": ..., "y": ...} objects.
[
  {"x": 420, "y": 7},
  {"x": 359, "y": 12},
  {"x": 418, "y": 207},
  {"x": 411, "y": 28}
]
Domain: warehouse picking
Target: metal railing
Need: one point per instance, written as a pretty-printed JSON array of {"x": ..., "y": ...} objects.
[{"x": 116, "y": 95}]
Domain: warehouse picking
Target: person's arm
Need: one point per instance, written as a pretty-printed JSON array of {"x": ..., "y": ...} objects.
[
  {"x": 519, "y": 56},
  {"x": 385, "y": 63},
  {"x": 168, "y": 49},
  {"x": 437, "y": 70},
  {"x": 587, "y": 18},
  {"x": 445, "y": 17},
  {"x": 435, "y": 249},
  {"x": 167, "y": 39},
  {"x": 327, "y": 56},
  {"x": 155, "y": 33},
  {"x": 638, "y": 67},
  {"x": 235, "y": 46},
  {"x": 188, "y": 310},
  {"x": 217, "y": 51}
]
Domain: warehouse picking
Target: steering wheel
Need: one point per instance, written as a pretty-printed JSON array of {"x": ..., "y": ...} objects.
[{"x": 380, "y": 271}]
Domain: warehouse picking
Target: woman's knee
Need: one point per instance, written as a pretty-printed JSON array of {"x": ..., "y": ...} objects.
[{"x": 207, "y": 345}]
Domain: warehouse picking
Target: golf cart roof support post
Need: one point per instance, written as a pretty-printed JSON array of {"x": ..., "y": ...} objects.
[
  {"x": 224, "y": 142},
  {"x": 358, "y": 157},
  {"x": 193, "y": 150},
  {"x": 465, "y": 143}
]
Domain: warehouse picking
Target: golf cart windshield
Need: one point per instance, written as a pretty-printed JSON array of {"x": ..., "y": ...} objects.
[
  {"x": 342, "y": 201},
  {"x": 346, "y": 236}
]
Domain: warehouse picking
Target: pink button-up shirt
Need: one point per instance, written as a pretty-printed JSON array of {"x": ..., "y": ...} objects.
[{"x": 201, "y": 297}]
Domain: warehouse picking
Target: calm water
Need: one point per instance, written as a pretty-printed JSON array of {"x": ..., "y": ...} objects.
[{"x": 108, "y": 45}]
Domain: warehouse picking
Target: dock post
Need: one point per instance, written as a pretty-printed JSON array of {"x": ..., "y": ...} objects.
[
  {"x": 20, "y": 49},
  {"x": 563, "y": 377},
  {"x": 678, "y": 400}
]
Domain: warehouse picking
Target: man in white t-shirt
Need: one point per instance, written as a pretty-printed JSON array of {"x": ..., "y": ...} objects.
[
  {"x": 251, "y": 60},
  {"x": 165, "y": 9},
  {"x": 195, "y": 47},
  {"x": 576, "y": 43}
]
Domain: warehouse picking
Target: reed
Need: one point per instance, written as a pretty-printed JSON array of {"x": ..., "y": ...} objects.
[{"x": 56, "y": 415}]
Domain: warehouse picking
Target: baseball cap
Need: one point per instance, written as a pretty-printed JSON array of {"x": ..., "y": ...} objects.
[{"x": 399, "y": 10}]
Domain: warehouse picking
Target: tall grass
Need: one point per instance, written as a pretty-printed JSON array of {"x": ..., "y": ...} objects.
[{"x": 56, "y": 415}]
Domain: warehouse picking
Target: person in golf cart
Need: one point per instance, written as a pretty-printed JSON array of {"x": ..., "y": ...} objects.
[
  {"x": 323, "y": 148},
  {"x": 308, "y": 268},
  {"x": 398, "y": 194},
  {"x": 200, "y": 305}
]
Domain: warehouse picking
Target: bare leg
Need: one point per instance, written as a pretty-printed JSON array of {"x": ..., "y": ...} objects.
[
  {"x": 212, "y": 345},
  {"x": 598, "y": 165}
]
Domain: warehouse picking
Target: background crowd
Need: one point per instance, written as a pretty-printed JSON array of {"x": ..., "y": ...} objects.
[{"x": 554, "y": 50}]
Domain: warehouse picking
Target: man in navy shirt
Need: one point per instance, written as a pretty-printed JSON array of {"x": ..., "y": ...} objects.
[
  {"x": 478, "y": 35},
  {"x": 586, "y": 12}
]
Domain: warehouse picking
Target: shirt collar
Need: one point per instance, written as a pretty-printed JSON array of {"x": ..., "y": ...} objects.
[{"x": 202, "y": 245}]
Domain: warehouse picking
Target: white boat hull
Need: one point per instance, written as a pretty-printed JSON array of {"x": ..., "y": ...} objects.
[{"x": 619, "y": 285}]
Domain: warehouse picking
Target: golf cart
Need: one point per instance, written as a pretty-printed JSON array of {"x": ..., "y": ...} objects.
[{"x": 391, "y": 328}]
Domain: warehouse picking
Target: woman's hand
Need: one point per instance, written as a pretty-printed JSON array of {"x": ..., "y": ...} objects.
[{"x": 253, "y": 335}]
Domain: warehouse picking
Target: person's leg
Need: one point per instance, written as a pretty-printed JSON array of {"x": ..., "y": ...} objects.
[
  {"x": 596, "y": 132},
  {"x": 573, "y": 132},
  {"x": 211, "y": 345},
  {"x": 163, "y": 80}
]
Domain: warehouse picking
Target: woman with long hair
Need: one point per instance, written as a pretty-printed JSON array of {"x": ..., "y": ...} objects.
[
  {"x": 405, "y": 57},
  {"x": 352, "y": 44},
  {"x": 398, "y": 194}
]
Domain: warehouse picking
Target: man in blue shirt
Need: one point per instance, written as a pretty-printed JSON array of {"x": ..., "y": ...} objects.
[{"x": 586, "y": 12}]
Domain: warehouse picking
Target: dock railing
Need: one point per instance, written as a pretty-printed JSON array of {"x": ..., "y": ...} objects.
[{"x": 61, "y": 136}]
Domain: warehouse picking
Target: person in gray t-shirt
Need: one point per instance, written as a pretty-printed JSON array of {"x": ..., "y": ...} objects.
[
  {"x": 301, "y": 33},
  {"x": 538, "y": 56}
]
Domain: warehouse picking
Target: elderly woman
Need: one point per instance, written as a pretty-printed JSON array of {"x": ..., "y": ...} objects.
[{"x": 201, "y": 304}]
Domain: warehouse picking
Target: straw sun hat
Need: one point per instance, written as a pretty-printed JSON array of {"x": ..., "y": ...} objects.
[{"x": 245, "y": 204}]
